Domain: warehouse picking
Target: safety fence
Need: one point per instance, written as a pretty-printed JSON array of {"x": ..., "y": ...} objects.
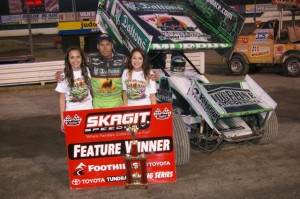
[{"x": 29, "y": 73}]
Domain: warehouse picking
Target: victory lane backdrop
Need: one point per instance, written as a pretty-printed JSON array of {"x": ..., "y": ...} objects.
[{"x": 97, "y": 142}]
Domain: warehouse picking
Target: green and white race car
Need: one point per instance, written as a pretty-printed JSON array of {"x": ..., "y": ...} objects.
[{"x": 205, "y": 114}]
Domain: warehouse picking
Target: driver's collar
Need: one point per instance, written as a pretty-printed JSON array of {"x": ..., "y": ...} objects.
[{"x": 107, "y": 59}]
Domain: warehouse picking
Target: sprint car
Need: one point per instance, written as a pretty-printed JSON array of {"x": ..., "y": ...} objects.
[{"x": 205, "y": 114}]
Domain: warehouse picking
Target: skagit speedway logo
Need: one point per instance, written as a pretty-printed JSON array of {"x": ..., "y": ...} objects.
[
  {"x": 117, "y": 121},
  {"x": 75, "y": 121}
]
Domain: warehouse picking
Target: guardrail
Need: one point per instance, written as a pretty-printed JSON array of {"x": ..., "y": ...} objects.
[
  {"x": 29, "y": 73},
  {"x": 43, "y": 72}
]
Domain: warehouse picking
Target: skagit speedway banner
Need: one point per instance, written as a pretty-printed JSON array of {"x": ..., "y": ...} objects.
[{"x": 97, "y": 142}]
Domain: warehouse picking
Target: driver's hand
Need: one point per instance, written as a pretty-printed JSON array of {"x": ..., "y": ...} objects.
[
  {"x": 59, "y": 76},
  {"x": 154, "y": 76}
]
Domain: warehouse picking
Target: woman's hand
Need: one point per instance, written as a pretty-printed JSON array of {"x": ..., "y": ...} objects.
[
  {"x": 62, "y": 127},
  {"x": 154, "y": 76},
  {"x": 59, "y": 76}
]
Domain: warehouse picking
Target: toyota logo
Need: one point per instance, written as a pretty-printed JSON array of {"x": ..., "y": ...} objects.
[{"x": 75, "y": 182}]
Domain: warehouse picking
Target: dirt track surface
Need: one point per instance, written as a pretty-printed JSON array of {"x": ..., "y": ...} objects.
[{"x": 34, "y": 164}]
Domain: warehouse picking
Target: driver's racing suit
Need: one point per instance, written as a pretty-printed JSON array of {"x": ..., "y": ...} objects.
[{"x": 106, "y": 79}]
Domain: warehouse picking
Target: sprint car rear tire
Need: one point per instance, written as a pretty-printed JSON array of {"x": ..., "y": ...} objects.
[
  {"x": 238, "y": 66},
  {"x": 291, "y": 67},
  {"x": 181, "y": 141},
  {"x": 270, "y": 130}
]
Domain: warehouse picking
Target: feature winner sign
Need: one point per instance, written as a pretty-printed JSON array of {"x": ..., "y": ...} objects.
[{"x": 97, "y": 142}]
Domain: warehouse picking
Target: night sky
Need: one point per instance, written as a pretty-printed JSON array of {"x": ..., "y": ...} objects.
[{"x": 81, "y": 5}]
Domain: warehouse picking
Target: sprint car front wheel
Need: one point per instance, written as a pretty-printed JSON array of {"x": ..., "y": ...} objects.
[
  {"x": 270, "y": 130},
  {"x": 181, "y": 141}
]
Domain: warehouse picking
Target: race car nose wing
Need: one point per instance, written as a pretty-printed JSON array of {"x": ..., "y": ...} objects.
[{"x": 229, "y": 99}]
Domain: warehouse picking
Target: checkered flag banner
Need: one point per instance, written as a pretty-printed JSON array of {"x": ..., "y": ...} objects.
[
  {"x": 162, "y": 115},
  {"x": 75, "y": 121}
]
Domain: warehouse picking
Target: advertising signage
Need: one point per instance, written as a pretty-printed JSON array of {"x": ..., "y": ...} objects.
[
  {"x": 228, "y": 99},
  {"x": 287, "y": 2},
  {"x": 77, "y": 27},
  {"x": 97, "y": 142},
  {"x": 195, "y": 24}
]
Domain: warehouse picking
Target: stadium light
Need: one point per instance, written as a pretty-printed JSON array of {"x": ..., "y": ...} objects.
[
  {"x": 35, "y": 6},
  {"x": 33, "y": 2}
]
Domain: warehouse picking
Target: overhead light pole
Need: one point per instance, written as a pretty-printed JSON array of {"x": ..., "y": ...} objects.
[
  {"x": 29, "y": 29},
  {"x": 254, "y": 16},
  {"x": 34, "y": 5},
  {"x": 74, "y": 6}
]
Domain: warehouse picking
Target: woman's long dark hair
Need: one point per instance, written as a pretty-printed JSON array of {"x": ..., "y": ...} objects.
[
  {"x": 145, "y": 66},
  {"x": 69, "y": 71}
]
